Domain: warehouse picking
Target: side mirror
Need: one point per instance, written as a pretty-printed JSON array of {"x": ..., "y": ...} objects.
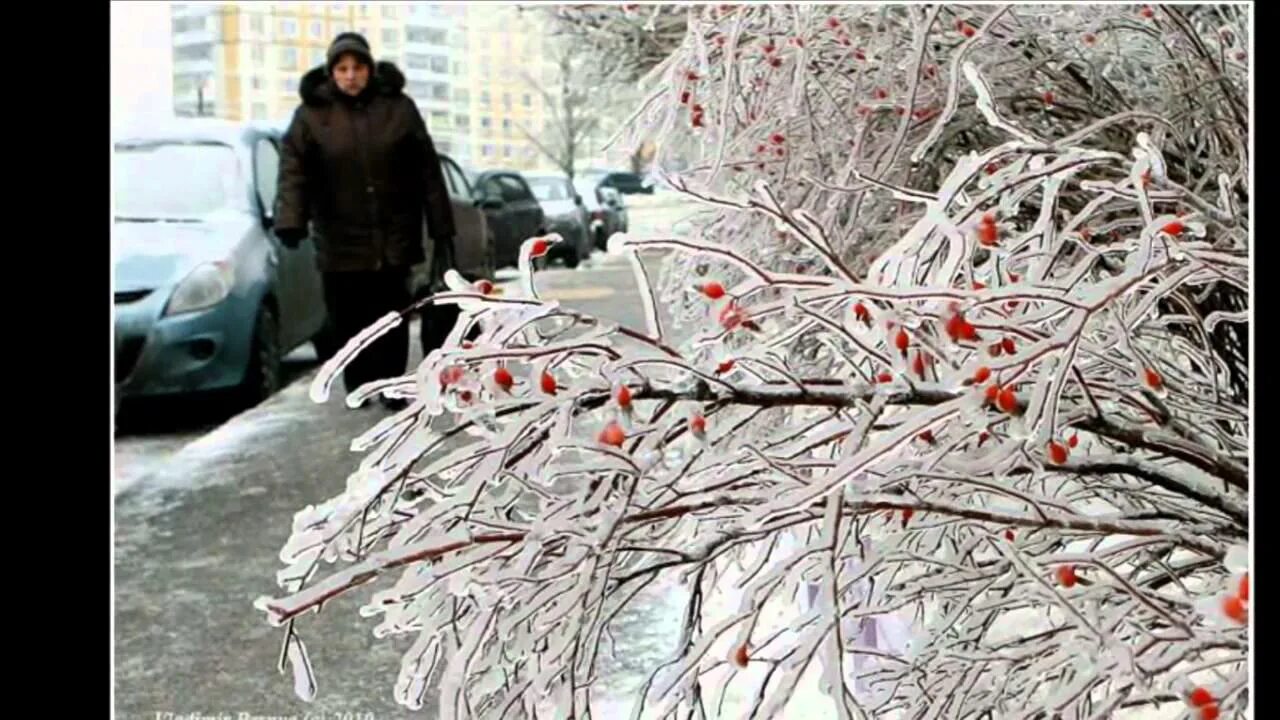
[{"x": 489, "y": 203}]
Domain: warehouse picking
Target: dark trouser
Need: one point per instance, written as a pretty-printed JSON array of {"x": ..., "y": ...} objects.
[{"x": 356, "y": 300}]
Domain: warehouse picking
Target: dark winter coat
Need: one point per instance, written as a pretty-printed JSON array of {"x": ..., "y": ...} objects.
[{"x": 364, "y": 171}]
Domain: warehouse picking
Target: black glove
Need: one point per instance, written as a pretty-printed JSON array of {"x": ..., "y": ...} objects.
[{"x": 291, "y": 237}]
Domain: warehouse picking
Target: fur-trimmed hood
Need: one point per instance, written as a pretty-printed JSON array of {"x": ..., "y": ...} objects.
[{"x": 316, "y": 90}]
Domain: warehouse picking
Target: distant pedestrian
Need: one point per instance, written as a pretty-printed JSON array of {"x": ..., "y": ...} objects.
[{"x": 360, "y": 168}]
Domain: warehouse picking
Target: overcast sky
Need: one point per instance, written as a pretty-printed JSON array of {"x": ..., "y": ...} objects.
[{"x": 141, "y": 60}]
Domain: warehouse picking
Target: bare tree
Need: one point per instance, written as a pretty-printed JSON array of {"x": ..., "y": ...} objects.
[{"x": 574, "y": 106}]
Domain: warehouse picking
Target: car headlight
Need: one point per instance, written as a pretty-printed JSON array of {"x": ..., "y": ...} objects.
[{"x": 206, "y": 286}]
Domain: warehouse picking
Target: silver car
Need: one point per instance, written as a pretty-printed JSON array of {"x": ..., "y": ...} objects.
[{"x": 566, "y": 214}]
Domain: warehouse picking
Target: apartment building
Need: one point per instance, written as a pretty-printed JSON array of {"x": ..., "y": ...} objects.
[{"x": 466, "y": 65}]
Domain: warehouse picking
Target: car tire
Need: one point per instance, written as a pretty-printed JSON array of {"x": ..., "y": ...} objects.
[
  {"x": 262, "y": 378},
  {"x": 572, "y": 257}
]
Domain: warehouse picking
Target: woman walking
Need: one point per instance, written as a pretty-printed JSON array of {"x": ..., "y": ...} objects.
[{"x": 359, "y": 167}]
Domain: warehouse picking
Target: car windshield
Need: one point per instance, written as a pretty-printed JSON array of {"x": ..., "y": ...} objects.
[
  {"x": 550, "y": 189},
  {"x": 169, "y": 179}
]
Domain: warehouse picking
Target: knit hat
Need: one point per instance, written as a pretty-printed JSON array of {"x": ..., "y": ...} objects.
[{"x": 348, "y": 42}]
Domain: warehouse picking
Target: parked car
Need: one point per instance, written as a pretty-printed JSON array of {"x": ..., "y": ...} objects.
[
  {"x": 627, "y": 183},
  {"x": 566, "y": 214},
  {"x": 206, "y": 297},
  {"x": 513, "y": 213},
  {"x": 605, "y": 208},
  {"x": 474, "y": 245}
]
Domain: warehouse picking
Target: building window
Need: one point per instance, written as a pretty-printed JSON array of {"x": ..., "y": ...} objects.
[
  {"x": 484, "y": 98},
  {"x": 439, "y": 91},
  {"x": 288, "y": 28},
  {"x": 317, "y": 29},
  {"x": 340, "y": 27},
  {"x": 414, "y": 61},
  {"x": 439, "y": 64},
  {"x": 506, "y": 124},
  {"x": 461, "y": 95},
  {"x": 506, "y": 151},
  {"x": 258, "y": 54},
  {"x": 289, "y": 58},
  {"x": 317, "y": 56},
  {"x": 255, "y": 82},
  {"x": 487, "y": 151},
  {"x": 390, "y": 36},
  {"x": 486, "y": 123},
  {"x": 506, "y": 101},
  {"x": 364, "y": 11},
  {"x": 389, "y": 11},
  {"x": 528, "y": 100},
  {"x": 444, "y": 146},
  {"x": 439, "y": 119},
  {"x": 462, "y": 121},
  {"x": 255, "y": 24},
  {"x": 289, "y": 84}
]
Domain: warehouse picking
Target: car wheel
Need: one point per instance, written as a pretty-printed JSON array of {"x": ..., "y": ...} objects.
[
  {"x": 572, "y": 257},
  {"x": 262, "y": 379}
]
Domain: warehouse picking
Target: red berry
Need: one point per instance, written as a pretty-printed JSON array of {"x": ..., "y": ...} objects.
[
  {"x": 777, "y": 139},
  {"x": 797, "y": 41},
  {"x": 1008, "y": 535},
  {"x": 713, "y": 290},
  {"x": 467, "y": 345},
  {"x": 740, "y": 656},
  {"x": 899, "y": 110},
  {"x": 1153, "y": 379},
  {"x": 930, "y": 70},
  {"x": 548, "y": 384},
  {"x": 691, "y": 76},
  {"x": 539, "y": 248},
  {"x": 884, "y": 377},
  {"x": 484, "y": 287},
  {"x": 451, "y": 375},
  {"x": 833, "y": 22},
  {"x": 769, "y": 47},
  {"x": 1200, "y": 697},
  {"x": 684, "y": 97},
  {"x": 968, "y": 30},
  {"x": 881, "y": 93},
  {"x": 927, "y": 436},
  {"x": 1008, "y": 346},
  {"x": 994, "y": 350},
  {"x": 1209, "y": 712},
  {"x": 696, "y": 120},
  {"x": 861, "y": 312},
  {"x": 1089, "y": 38},
  {"x": 1057, "y": 453},
  {"x": 1234, "y": 608},
  {"x": 988, "y": 234},
  {"x": 465, "y": 396},
  {"x": 981, "y": 374},
  {"x": 624, "y": 397},
  {"x": 983, "y": 437},
  {"x": 1240, "y": 55},
  {"x": 1008, "y": 400},
  {"x": 1073, "y": 441},
  {"x": 901, "y": 341},
  {"x": 992, "y": 392},
  {"x": 612, "y": 435},
  {"x": 1013, "y": 277},
  {"x": 1146, "y": 178},
  {"x": 860, "y": 54},
  {"x": 775, "y": 61},
  {"x": 991, "y": 168},
  {"x": 779, "y": 152},
  {"x": 502, "y": 378},
  {"x": 1173, "y": 228},
  {"x": 1048, "y": 97},
  {"x": 1147, "y": 12},
  {"x": 906, "y": 515},
  {"x": 724, "y": 367},
  {"x": 698, "y": 424},
  {"x": 979, "y": 285},
  {"x": 917, "y": 365},
  {"x": 1067, "y": 575},
  {"x": 1242, "y": 590}
]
